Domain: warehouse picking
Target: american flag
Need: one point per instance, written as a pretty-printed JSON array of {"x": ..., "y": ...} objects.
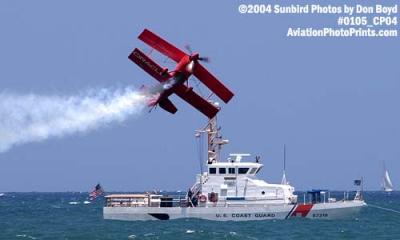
[
  {"x": 98, "y": 191},
  {"x": 357, "y": 182}
]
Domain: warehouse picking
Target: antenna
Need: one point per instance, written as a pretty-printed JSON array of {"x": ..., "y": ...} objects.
[
  {"x": 284, "y": 181},
  {"x": 284, "y": 157}
]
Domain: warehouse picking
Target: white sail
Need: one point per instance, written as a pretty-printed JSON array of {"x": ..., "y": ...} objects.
[{"x": 387, "y": 183}]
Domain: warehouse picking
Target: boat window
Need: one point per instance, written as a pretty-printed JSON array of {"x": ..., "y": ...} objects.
[
  {"x": 231, "y": 170},
  {"x": 253, "y": 170},
  {"x": 243, "y": 170},
  {"x": 213, "y": 170},
  {"x": 222, "y": 170},
  {"x": 258, "y": 169}
]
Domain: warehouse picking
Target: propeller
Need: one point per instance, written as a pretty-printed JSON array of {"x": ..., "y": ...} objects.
[
  {"x": 197, "y": 57},
  {"x": 203, "y": 59},
  {"x": 189, "y": 49}
]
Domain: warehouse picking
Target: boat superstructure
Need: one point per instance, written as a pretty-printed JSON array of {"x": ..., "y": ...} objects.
[
  {"x": 229, "y": 190},
  {"x": 234, "y": 182}
]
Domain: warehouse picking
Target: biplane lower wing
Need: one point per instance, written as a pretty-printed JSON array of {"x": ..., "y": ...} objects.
[
  {"x": 148, "y": 65},
  {"x": 196, "y": 101},
  {"x": 212, "y": 83},
  {"x": 161, "y": 45}
]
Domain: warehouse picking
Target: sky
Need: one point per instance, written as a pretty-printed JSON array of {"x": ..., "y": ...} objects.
[{"x": 334, "y": 102}]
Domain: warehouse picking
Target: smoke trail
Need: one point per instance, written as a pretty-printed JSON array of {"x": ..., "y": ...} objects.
[{"x": 30, "y": 118}]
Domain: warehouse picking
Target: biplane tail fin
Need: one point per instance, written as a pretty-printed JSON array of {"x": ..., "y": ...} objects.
[{"x": 167, "y": 105}]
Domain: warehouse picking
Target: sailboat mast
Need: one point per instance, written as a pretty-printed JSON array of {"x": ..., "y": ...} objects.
[{"x": 362, "y": 186}]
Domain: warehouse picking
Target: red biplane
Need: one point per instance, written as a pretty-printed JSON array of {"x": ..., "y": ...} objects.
[{"x": 173, "y": 81}]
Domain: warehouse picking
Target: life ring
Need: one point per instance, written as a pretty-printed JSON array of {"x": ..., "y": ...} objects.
[{"x": 202, "y": 198}]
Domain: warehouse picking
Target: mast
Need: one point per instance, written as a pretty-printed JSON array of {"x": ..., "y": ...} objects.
[
  {"x": 215, "y": 141},
  {"x": 212, "y": 134},
  {"x": 214, "y": 144}
]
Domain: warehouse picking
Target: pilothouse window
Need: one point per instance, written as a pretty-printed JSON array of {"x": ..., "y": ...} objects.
[
  {"x": 231, "y": 170},
  {"x": 253, "y": 170},
  {"x": 212, "y": 170},
  {"x": 243, "y": 170},
  {"x": 222, "y": 170}
]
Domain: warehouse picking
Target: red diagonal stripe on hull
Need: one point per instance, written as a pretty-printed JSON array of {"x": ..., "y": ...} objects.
[{"x": 302, "y": 209}]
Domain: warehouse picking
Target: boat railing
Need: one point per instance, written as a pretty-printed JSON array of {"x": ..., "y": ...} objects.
[
  {"x": 319, "y": 196},
  {"x": 147, "y": 201}
]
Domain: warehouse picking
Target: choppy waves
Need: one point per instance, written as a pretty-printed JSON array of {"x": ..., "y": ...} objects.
[{"x": 51, "y": 216}]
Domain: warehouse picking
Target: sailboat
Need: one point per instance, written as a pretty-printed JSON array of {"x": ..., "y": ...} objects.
[{"x": 386, "y": 182}]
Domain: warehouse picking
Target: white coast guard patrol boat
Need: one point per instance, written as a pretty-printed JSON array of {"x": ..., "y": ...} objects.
[{"x": 230, "y": 190}]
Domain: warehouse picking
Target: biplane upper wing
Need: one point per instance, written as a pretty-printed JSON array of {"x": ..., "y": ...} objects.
[
  {"x": 161, "y": 45},
  {"x": 196, "y": 101},
  {"x": 212, "y": 83},
  {"x": 147, "y": 64}
]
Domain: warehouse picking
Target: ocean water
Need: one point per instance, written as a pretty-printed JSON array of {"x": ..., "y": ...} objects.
[{"x": 51, "y": 216}]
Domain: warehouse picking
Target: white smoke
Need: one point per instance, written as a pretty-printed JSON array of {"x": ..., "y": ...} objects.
[{"x": 31, "y": 118}]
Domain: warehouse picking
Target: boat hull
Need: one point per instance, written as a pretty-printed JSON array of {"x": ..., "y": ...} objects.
[
  {"x": 336, "y": 210},
  {"x": 265, "y": 212}
]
